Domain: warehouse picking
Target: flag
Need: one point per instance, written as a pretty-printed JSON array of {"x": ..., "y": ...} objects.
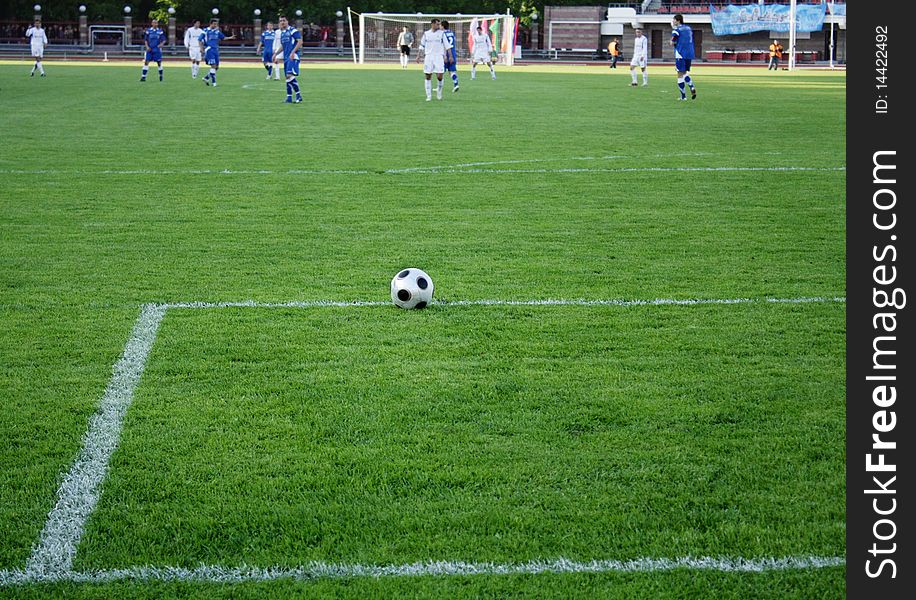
[
  {"x": 515, "y": 37},
  {"x": 494, "y": 34}
]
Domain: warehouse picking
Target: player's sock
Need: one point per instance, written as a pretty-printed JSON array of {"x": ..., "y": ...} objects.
[
  {"x": 473, "y": 72},
  {"x": 41, "y": 69},
  {"x": 645, "y": 78},
  {"x": 455, "y": 78},
  {"x": 295, "y": 84},
  {"x": 429, "y": 88},
  {"x": 145, "y": 70},
  {"x": 289, "y": 91},
  {"x": 680, "y": 86},
  {"x": 213, "y": 76},
  {"x": 492, "y": 72},
  {"x": 693, "y": 89},
  {"x": 35, "y": 66},
  {"x": 633, "y": 76},
  {"x": 160, "y": 73},
  {"x": 270, "y": 70}
]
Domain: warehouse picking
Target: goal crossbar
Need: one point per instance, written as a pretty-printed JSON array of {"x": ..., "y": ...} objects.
[
  {"x": 427, "y": 17},
  {"x": 378, "y": 32}
]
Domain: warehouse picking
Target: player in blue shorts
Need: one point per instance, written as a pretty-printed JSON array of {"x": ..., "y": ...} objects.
[
  {"x": 290, "y": 43},
  {"x": 682, "y": 40},
  {"x": 451, "y": 55},
  {"x": 153, "y": 40},
  {"x": 209, "y": 45},
  {"x": 266, "y": 49}
]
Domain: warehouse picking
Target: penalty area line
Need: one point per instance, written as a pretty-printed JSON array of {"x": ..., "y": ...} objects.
[
  {"x": 322, "y": 570},
  {"x": 468, "y": 169},
  {"x": 79, "y": 490},
  {"x": 486, "y": 302}
]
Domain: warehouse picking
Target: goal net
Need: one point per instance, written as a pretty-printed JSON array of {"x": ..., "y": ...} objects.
[{"x": 376, "y": 38}]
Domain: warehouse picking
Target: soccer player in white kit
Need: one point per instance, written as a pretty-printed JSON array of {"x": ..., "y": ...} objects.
[
  {"x": 191, "y": 35},
  {"x": 39, "y": 40},
  {"x": 640, "y": 57},
  {"x": 433, "y": 46},
  {"x": 483, "y": 47}
]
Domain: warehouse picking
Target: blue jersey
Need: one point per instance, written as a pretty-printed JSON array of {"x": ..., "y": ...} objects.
[
  {"x": 267, "y": 40},
  {"x": 211, "y": 37},
  {"x": 154, "y": 37},
  {"x": 288, "y": 39},
  {"x": 682, "y": 36},
  {"x": 450, "y": 36}
]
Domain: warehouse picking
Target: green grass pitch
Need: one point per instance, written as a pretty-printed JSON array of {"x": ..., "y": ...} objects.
[{"x": 467, "y": 432}]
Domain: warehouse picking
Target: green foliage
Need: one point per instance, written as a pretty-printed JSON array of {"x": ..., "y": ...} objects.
[
  {"x": 161, "y": 11},
  {"x": 240, "y": 11}
]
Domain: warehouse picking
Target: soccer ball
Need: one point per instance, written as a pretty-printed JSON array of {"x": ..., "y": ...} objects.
[{"x": 411, "y": 288}]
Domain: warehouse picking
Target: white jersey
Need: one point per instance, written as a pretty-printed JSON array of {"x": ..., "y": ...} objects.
[
  {"x": 37, "y": 37},
  {"x": 640, "y": 52},
  {"x": 191, "y": 37},
  {"x": 434, "y": 43},
  {"x": 482, "y": 45},
  {"x": 640, "y": 47}
]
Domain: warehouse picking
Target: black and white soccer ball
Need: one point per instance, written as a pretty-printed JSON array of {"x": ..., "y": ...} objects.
[{"x": 411, "y": 288}]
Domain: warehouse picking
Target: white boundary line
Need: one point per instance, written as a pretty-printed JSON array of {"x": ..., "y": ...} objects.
[
  {"x": 322, "y": 570},
  {"x": 458, "y": 169},
  {"x": 544, "y": 302},
  {"x": 79, "y": 491}
]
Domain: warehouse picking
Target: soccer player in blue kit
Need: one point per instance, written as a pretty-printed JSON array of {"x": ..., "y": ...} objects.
[
  {"x": 682, "y": 40},
  {"x": 290, "y": 42},
  {"x": 451, "y": 55},
  {"x": 153, "y": 40},
  {"x": 267, "y": 49},
  {"x": 209, "y": 44}
]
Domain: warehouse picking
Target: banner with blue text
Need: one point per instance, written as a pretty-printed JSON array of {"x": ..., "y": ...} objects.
[{"x": 735, "y": 20}]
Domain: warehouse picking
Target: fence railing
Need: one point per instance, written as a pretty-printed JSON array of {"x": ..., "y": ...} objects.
[
  {"x": 61, "y": 33},
  {"x": 58, "y": 32}
]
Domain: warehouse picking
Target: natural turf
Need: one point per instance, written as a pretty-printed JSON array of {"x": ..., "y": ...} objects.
[{"x": 369, "y": 435}]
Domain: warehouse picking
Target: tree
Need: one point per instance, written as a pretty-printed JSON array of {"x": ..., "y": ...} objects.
[{"x": 242, "y": 11}]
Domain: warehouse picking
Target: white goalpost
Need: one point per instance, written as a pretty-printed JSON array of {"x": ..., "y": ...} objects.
[{"x": 377, "y": 38}]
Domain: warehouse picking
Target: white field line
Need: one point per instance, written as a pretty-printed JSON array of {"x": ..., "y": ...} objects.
[
  {"x": 79, "y": 491},
  {"x": 322, "y": 570},
  {"x": 417, "y": 171},
  {"x": 78, "y": 494},
  {"x": 544, "y": 302},
  {"x": 622, "y": 170},
  {"x": 521, "y": 161}
]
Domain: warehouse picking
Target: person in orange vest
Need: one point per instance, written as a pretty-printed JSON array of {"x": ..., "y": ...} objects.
[
  {"x": 775, "y": 55},
  {"x": 613, "y": 50}
]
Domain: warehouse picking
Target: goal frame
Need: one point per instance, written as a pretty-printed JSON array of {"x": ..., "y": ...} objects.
[{"x": 507, "y": 28}]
